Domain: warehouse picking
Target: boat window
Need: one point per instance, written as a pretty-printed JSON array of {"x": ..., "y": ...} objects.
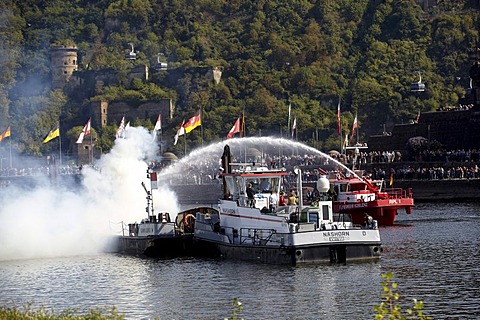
[
  {"x": 239, "y": 186},
  {"x": 325, "y": 212},
  {"x": 254, "y": 183},
  {"x": 270, "y": 184},
  {"x": 343, "y": 187},
  {"x": 265, "y": 185},
  {"x": 303, "y": 215},
  {"x": 313, "y": 217},
  {"x": 357, "y": 187},
  {"x": 341, "y": 217},
  {"x": 231, "y": 185}
]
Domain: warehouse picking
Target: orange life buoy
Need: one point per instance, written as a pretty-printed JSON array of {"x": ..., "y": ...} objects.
[{"x": 189, "y": 220}]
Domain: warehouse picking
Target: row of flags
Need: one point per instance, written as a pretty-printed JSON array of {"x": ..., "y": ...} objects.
[
  {"x": 185, "y": 127},
  {"x": 339, "y": 127},
  {"x": 294, "y": 124}
]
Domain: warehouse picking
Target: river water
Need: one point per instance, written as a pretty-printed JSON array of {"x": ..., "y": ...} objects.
[{"x": 433, "y": 254}]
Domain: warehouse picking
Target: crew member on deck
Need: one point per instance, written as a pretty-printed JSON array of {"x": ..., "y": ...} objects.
[
  {"x": 250, "y": 196},
  {"x": 281, "y": 201},
  {"x": 368, "y": 221},
  {"x": 292, "y": 199},
  {"x": 272, "y": 200}
]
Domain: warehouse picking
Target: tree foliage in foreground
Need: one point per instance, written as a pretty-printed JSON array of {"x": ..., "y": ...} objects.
[{"x": 390, "y": 308}]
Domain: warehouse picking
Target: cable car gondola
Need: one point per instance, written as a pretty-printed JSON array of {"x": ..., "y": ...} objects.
[
  {"x": 161, "y": 65},
  {"x": 131, "y": 55},
  {"x": 418, "y": 86},
  {"x": 470, "y": 89}
]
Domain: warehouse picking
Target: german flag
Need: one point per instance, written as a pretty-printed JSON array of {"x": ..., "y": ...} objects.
[
  {"x": 193, "y": 122},
  {"x": 5, "y": 134}
]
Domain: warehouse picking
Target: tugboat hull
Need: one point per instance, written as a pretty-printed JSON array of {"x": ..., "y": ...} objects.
[
  {"x": 325, "y": 254},
  {"x": 157, "y": 247}
]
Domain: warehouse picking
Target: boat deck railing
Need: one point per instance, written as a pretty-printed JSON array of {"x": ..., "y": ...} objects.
[
  {"x": 253, "y": 236},
  {"x": 256, "y": 236},
  {"x": 399, "y": 193}
]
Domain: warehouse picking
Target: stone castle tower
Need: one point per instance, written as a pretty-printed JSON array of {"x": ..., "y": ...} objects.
[{"x": 63, "y": 62}]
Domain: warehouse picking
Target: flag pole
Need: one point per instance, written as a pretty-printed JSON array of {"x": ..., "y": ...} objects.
[
  {"x": 357, "y": 134},
  {"x": 289, "y": 115},
  {"x": 201, "y": 127},
  {"x": 60, "y": 144},
  {"x": 341, "y": 144},
  {"x": 339, "y": 125},
  {"x": 10, "y": 151},
  {"x": 161, "y": 142},
  {"x": 185, "y": 144},
  {"x": 91, "y": 146},
  {"x": 242, "y": 124}
]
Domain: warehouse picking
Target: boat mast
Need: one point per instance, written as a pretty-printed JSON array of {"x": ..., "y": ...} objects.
[
  {"x": 298, "y": 172},
  {"x": 149, "y": 197},
  {"x": 227, "y": 168}
]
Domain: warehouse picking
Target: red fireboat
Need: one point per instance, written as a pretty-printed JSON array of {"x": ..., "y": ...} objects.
[{"x": 359, "y": 196}]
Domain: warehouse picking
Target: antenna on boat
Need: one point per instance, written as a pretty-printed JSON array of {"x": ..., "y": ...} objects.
[
  {"x": 298, "y": 172},
  {"x": 149, "y": 208}
]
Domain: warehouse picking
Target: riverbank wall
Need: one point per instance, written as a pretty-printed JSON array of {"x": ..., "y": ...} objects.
[
  {"x": 442, "y": 190},
  {"x": 423, "y": 190}
]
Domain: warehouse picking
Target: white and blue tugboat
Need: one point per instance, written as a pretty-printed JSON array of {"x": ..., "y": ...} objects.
[
  {"x": 250, "y": 226},
  {"x": 160, "y": 236}
]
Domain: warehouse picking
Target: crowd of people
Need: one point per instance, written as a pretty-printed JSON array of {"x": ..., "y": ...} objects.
[
  {"x": 37, "y": 171},
  {"x": 428, "y": 165}
]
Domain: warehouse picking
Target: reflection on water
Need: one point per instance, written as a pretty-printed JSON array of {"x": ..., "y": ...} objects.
[{"x": 433, "y": 254}]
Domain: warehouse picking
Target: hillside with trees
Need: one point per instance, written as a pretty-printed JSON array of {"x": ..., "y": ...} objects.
[{"x": 307, "y": 53}]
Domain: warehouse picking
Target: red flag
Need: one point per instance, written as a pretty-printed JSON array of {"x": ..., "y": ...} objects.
[
  {"x": 354, "y": 126},
  {"x": 418, "y": 117},
  {"x": 338, "y": 118},
  {"x": 85, "y": 131},
  {"x": 158, "y": 124},
  {"x": 294, "y": 126},
  {"x": 193, "y": 122},
  {"x": 153, "y": 180},
  {"x": 180, "y": 131},
  {"x": 121, "y": 128},
  {"x": 235, "y": 129}
]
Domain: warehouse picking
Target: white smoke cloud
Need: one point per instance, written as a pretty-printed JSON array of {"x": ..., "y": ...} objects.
[{"x": 50, "y": 221}]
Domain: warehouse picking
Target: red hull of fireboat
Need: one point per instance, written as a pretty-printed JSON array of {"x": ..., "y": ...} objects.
[{"x": 382, "y": 210}]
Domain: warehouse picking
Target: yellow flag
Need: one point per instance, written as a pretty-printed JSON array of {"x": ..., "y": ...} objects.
[{"x": 55, "y": 132}]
